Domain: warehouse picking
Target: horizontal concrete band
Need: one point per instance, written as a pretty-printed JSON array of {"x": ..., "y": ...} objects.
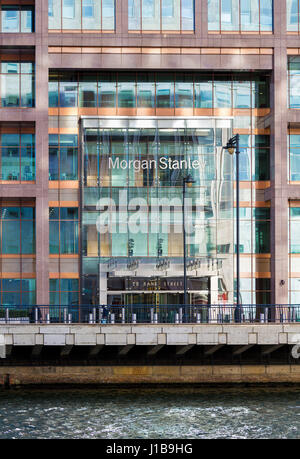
[
  {"x": 31, "y": 375},
  {"x": 148, "y": 335}
]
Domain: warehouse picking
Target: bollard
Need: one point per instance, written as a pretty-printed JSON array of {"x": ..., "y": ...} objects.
[
  {"x": 262, "y": 317},
  {"x": 177, "y": 318},
  {"x": 112, "y": 318},
  {"x": 69, "y": 318},
  {"x": 47, "y": 318},
  {"x": 198, "y": 318},
  {"x": 155, "y": 318},
  {"x": 36, "y": 315},
  {"x": 152, "y": 315},
  {"x": 7, "y": 315},
  {"x": 180, "y": 315},
  {"x": 123, "y": 315},
  {"x": 134, "y": 318},
  {"x": 90, "y": 318},
  {"x": 266, "y": 315},
  {"x": 100, "y": 314}
]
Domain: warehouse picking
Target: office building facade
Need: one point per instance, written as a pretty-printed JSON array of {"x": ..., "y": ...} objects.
[{"x": 106, "y": 106}]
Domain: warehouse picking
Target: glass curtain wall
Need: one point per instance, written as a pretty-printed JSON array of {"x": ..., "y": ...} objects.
[
  {"x": 251, "y": 16},
  {"x": 133, "y": 213}
]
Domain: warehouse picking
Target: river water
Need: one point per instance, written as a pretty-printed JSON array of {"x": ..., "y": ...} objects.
[{"x": 159, "y": 413}]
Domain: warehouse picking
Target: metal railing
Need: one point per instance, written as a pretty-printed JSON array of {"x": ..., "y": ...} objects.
[{"x": 162, "y": 314}]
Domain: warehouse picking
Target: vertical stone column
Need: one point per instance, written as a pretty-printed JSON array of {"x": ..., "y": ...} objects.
[
  {"x": 279, "y": 203},
  {"x": 42, "y": 166}
]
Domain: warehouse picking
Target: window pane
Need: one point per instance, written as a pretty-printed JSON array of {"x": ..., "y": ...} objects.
[
  {"x": 203, "y": 92},
  {"x": 54, "y": 237},
  {"x": 71, "y": 15},
  {"x": 91, "y": 14},
  {"x": 28, "y": 237},
  {"x": 230, "y": 14},
  {"x": 126, "y": 90},
  {"x": 10, "y": 19},
  {"x": 28, "y": 163},
  {"x": 108, "y": 14},
  {"x": 10, "y": 91},
  {"x": 170, "y": 12},
  {"x": 151, "y": 15},
  {"x": 54, "y": 14},
  {"x": 241, "y": 94},
  {"x": 250, "y": 15},
  {"x": 134, "y": 15},
  {"x": 292, "y": 15},
  {"x": 266, "y": 15},
  {"x": 68, "y": 164},
  {"x": 11, "y": 237},
  {"x": 27, "y": 91},
  {"x": 187, "y": 14},
  {"x": 27, "y": 19},
  {"x": 165, "y": 90},
  {"x": 146, "y": 90},
  {"x": 68, "y": 91},
  {"x": 222, "y": 93},
  {"x": 107, "y": 89},
  {"x": 88, "y": 91}
]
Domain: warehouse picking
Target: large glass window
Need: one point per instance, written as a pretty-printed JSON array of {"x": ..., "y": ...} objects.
[
  {"x": 17, "y": 18},
  {"x": 81, "y": 15},
  {"x": 161, "y": 90},
  {"x": 294, "y": 230},
  {"x": 63, "y": 157},
  {"x": 161, "y": 16},
  {"x": 64, "y": 292},
  {"x": 294, "y": 81},
  {"x": 17, "y": 84},
  {"x": 17, "y": 230},
  {"x": 17, "y": 157},
  {"x": 17, "y": 292},
  {"x": 253, "y": 16},
  {"x": 63, "y": 230},
  {"x": 255, "y": 222}
]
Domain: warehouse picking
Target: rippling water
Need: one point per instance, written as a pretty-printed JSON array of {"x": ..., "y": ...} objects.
[{"x": 151, "y": 413}]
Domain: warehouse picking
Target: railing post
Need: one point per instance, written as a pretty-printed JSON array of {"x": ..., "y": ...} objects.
[
  {"x": 36, "y": 315},
  {"x": 134, "y": 318},
  {"x": 266, "y": 315},
  {"x": 123, "y": 315},
  {"x": 198, "y": 318},
  {"x": 176, "y": 318},
  {"x": 94, "y": 315},
  {"x": 90, "y": 318},
  {"x": 100, "y": 314},
  {"x": 6, "y": 315},
  {"x": 112, "y": 318},
  {"x": 180, "y": 315},
  {"x": 48, "y": 318},
  {"x": 152, "y": 315},
  {"x": 65, "y": 315},
  {"x": 262, "y": 317},
  {"x": 69, "y": 318},
  {"x": 155, "y": 318}
]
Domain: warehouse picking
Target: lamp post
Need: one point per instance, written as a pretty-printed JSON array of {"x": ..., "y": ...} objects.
[
  {"x": 233, "y": 145},
  {"x": 187, "y": 182}
]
